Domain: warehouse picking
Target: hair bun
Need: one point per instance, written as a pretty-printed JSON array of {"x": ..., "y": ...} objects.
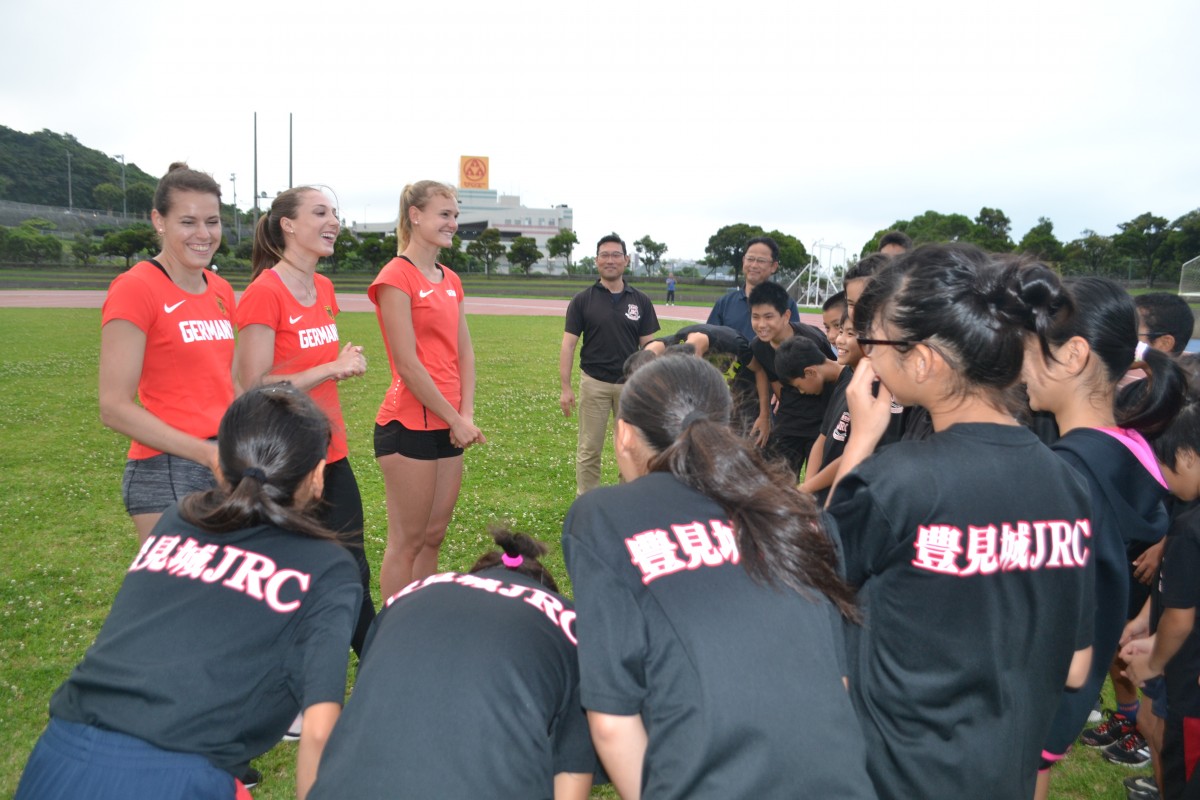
[{"x": 517, "y": 544}]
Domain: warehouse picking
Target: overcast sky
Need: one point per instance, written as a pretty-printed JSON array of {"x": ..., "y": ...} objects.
[{"x": 826, "y": 120}]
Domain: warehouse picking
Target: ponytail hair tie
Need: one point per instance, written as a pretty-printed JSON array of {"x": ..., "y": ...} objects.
[
  {"x": 1139, "y": 352},
  {"x": 256, "y": 473},
  {"x": 692, "y": 418},
  {"x": 512, "y": 562}
]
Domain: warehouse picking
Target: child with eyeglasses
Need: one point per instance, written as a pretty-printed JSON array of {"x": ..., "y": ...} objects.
[{"x": 970, "y": 549}]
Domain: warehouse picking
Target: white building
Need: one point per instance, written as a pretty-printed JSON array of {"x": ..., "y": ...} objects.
[{"x": 480, "y": 209}]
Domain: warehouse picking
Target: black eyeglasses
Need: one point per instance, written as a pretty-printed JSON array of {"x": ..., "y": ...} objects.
[
  {"x": 866, "y": 344},
  {"x": 1152, "y": 335}
]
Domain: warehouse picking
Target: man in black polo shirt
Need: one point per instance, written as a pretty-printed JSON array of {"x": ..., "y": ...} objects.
[{"x": 614, "y": 320}]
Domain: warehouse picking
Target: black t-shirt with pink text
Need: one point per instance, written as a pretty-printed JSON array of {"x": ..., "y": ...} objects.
[
  {"x": 216, "y": 641},
  {"x": 739, "y": 685},
  {"x": 468, "y": 688},
  {"x": 973, "y": 557}
]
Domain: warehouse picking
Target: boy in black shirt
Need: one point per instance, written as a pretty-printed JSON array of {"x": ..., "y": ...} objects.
[{"x": 798, "y": 420}]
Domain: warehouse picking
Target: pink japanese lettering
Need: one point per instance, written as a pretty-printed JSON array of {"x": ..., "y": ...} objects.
[{"x": 1011, "y": 546}]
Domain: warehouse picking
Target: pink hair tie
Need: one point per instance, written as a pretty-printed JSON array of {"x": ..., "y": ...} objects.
[{"x": 512, "y": 562}]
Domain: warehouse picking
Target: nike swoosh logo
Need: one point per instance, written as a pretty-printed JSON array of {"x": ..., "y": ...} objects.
[
  {"x": 425, "y": 293},
  {"x": 294, "y": 320},
  {"x": 169, "y": 309}
]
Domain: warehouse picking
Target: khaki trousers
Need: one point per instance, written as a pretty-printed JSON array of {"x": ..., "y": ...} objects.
[{"x": 597, "y": 402}]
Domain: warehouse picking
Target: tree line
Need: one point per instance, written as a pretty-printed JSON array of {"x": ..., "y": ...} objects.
[
  {"x": 33, "y": 169},
  {"x": 1146, "y": 247}
]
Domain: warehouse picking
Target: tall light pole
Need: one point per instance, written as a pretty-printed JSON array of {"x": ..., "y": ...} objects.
[
  {"x": 124, "y": 206},
  {"x": 256, "y": 170},
  {"x": 70, "y": 197},
  {"x": 236, "y": 225}
]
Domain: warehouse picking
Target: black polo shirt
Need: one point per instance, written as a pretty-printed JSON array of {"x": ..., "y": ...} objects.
[{"x": 611, "y": 326}]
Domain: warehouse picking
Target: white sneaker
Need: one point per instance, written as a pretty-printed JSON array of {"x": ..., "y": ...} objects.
[{"x": 293, "y": 733}]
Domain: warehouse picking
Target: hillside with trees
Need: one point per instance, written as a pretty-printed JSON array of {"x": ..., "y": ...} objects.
[{"x": 33, "y": 169}]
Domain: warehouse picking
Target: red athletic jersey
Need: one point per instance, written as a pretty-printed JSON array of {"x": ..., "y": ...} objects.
[
  {"x": 305, "y": 337},
  {"x": 435, "y": 323},
  {"x": 187, "y": 368}
]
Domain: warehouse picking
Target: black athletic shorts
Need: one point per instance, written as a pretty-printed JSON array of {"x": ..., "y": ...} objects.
[{"x": 420, "y": 445}]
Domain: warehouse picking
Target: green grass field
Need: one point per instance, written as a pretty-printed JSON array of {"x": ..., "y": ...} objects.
[{"x": 66, "y": 541}]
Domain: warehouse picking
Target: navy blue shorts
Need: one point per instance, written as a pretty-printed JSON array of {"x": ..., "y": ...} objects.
[
  {"x": 1155, "y": 690},
  {"x": 71, "y": 761}
]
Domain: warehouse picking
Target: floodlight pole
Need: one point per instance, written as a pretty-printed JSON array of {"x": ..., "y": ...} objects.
[
  {"x": 256, "y": 170},
  {"x": 70, "y": 197},
  {"x": 236, "y": 223},
  {"x": 124, "y": 206}
]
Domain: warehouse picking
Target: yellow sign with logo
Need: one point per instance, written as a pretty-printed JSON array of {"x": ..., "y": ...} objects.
[{"x": 473, "y": 172}]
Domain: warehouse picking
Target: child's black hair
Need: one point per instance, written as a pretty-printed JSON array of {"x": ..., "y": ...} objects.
[
  {"x": 796, "y": 355},
  {"x": 1165, "y": 313},
  {"x": 520, "y": 554},
  {"x": 835, "y": 301},
  {"x": 771, "y": 294}
]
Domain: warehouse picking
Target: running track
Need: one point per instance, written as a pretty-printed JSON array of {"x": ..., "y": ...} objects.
[{"x": 500, "y": 306}]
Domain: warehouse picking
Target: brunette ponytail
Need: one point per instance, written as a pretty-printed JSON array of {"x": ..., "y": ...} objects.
[
  {"x": 270, "y": 441},
  {"x": 682, "y": 407}
]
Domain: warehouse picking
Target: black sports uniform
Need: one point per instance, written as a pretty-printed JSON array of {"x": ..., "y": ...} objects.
[
  {"x": 836, "y": 426},
  {"x": 1179, "y": 587},
  {"x": 216, "y": 641},
  {"x": 1127, "y": 508},
  {"x": 611, "y": 326},
  {"x": 739, "y": 685},
  {"x": 972, "y": 553},
  {"x": 469, "y": 688},
  {"x": 798, "y": 421},
  {"x": 722, "y": 341}
]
